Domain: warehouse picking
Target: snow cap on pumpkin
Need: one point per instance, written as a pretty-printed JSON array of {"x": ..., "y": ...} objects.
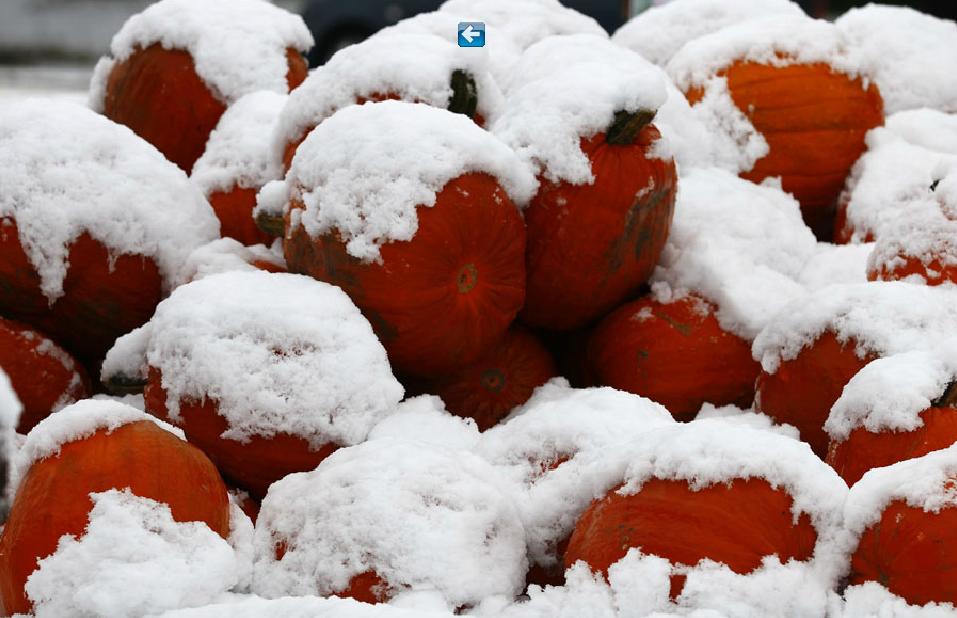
[
  {"x": 69, "y": 171},
  {"x": 279, "y": 353},
  {"x": 363, "y": 172},
  {"x": 10, "y": 407},
  {"x": 412, "y": 66},
  {"x": 883, "y": 317},
  {"x": 239, "y": 153},
  {"x": 420, "y": 517},
  {"x": 228, "y": 254},
  {"x": 659, "y": 32},
  {"x": 833, "y": 264},
  {"x": 237, "y": 46},
  {"x": 77, "y": 422},
  {"x": 252, "y": 606},
  {"x": 424, "y": 418},
  {"x": 739, "y": 245},
  {"x": 905, "y": 51},
  {"x": 566, "y": 88}
]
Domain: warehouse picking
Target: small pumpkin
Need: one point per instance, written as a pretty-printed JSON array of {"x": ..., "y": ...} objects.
[
  {"x": 674, "y": 353},
  {"x": 44, "y": 376},
  {"x": 102, "y": 445}
]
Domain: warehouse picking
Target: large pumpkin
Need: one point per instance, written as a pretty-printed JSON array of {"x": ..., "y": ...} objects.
[
  {"x": 44, "y": 376},
  {"x": 674, "y": 353},
  {"x": 502, "y": 379},
  {"x": 171, "y": 85},
  {"x": 107, "y": 446}
]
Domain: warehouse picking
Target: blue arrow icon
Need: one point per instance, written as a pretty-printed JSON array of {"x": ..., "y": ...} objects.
[{"x": 471, "y": 34}]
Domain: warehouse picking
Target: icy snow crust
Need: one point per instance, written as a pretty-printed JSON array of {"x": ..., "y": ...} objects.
[
  {"x": 566, "y": 88},
  {"x": 909, "y": 54},
  {"x": 422, "y": 517},
  {"x": 364, "y": 171},
  {"x": 237, "y": 46},
  {"x": 659, "y": 32},
  {"x": 278, "y": 353},
  {"x": 739, "y": 245},
  {"x": 133, "y": 559},
  {"x": 240, "y": 152},
  {"x": 68, "y": 170},
  {"x": 77, "y": 422},
  {"x": 414, "y": 66}
]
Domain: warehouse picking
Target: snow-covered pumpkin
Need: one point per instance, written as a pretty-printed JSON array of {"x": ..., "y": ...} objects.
[
  {"x": 904, "y": 519},
  {"x": 501, "y": 380},
  {"x": 174, "y": 68},
  {"x": 267, "y": 373},
  {"x": 684, "y": 496},
  {"x": 391, "y": 517},
  {"x": 44, "y": 376},
  {"x": 417, "y": 67},
  {"x": 789, "y": 90},
  {"x": 603, "y": 209},
  {"x": 412, "y": 211},
  {"x": 238, "y": 160},
  {"x": 95, "y": 446},
  {"x": 817, "y": 344},
  {"x": 896, "y": 408},
  {"x": 94, "y": 225}
]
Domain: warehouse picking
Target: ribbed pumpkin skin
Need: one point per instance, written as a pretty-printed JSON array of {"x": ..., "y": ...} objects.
[
  {"x": 102, "y": 299},
  {"x": 590, "y": 246},
  {"x": 53, "y": 497},
  {"x": 802, "y": 390},
  {"x": 39, "y": 377},
  {"x": 234, "y": 209},
  {"x": 737, "y": 525},
  {"x": 440, "y": 300},
  {"x": 910, "y": 552},
  {"x": 157, "y": 93},
  {"x": 366, "y": 587},
  {"x": 934, "y": 272},
  {"x": 864, "y": 450},
  {"x": 814, "y": 120},
  {"x": 253, "y": 465},
  {"x": 503, "y": 378},
  {"x": 679, "y": 356}
]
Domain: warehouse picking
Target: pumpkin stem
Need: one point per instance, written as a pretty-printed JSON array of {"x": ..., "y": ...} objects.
[
  {"x": 626, "y": 125},
  {"x": 274, "y": 225},
  {"x": 933, "y": 185},
  {"x": 948, "y": 399},
  {"x": 119, "y": 384},
  {"x": 464, "y": 98}
]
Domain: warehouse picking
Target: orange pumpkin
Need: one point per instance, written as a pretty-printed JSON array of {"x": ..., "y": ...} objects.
[
  {"x": 157, "y": 93},
  {"x": 591, "y": 245},
  {"x": 234, "y": 210},
  {"x": 736, "y": 523},
  {"x": 253, "y": 465},
  {"x": 53, "y": 496},
  {"x": 676, "y": 354},
  {"x": 803, "y": 389},
  {"x": 503, "y": 378},
  {"x": 933, "y": 272},
  {"x": 814, "y": 119},
  {"x": 44, "y": 375},
  {"x": 864, "y": 449},
  {"x": 438, "y": 301},
  {"x": 105, "y": 295}
]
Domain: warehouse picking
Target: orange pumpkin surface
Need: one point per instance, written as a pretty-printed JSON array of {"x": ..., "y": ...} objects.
[
  {"x": 737, "y": 524},
  {"x": 803, "y": 389},
  {"x": 503, "y": 378},
  {"x": 440, "y": 300},
  {"x": 934, "y": 271},
  {"x": 234, "y": 209},
  {"x": 676, "y": 354},
  {"x": 253, "y": 465},
  {"x": 814, "y": 120},
  {"x": 44, "y": 376},
  {"x": 864, "y": 450},
  {"x": 53, "y": 496},
  {"x": 157, "y": 93},
  {"x": 591, "y": 245},
  {"x": 104, "y": 296}
]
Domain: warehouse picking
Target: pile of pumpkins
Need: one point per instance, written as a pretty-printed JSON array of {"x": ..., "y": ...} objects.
[{"x": 481, "y": 303}]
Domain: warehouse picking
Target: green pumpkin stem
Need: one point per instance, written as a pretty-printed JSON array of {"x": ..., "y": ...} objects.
[
  {"x": 626, "y": 125},
  {"x": 464, "y": 98},
  {"x": 274, "y": 225},
  {"x": 948, "y": 399},
  {"x": 120, "y": 384}
]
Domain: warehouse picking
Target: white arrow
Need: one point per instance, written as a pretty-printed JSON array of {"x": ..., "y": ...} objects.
[{"x": 469, "y": 33}]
